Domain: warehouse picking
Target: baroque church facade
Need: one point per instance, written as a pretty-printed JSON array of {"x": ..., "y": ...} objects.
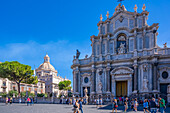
[
  {"x": 125, "y": 59},
  {"x": 47, "y": 73}
]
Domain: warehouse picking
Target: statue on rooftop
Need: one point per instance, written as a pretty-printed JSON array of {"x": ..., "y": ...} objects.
[
  {"x": 77, "y": 54},
  {"x": 165, "y": 45}
]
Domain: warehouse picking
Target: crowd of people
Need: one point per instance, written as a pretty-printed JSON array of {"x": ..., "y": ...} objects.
[
  {"x": 149, "y": 105},
  {"x": 9, "y": 100},
  {"x": 78, "y": 106}
]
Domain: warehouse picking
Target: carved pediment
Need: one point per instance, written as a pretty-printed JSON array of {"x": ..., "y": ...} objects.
[{"x": 122, "y": 71}]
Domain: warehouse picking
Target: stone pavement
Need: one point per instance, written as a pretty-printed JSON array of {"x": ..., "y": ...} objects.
[{"x": 56, "y": 108}]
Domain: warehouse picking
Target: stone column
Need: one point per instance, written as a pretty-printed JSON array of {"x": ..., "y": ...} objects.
[
  {"x": 108, "y": 79},
  {"x": 155, "y": 39},
  {"x": 107, "y": 45},
  {"x": 92, "y": 47},
  {"x": 74, "y": 82},
  {"x": 155, "y": 85},
  {"x": 94, "y": 80},
  {"x": 100, "y": 48},
  {"x": 100, "y": 29},
  {"x": 144, "y": 35},
  {"x": 135, "y": 40},
  {"x": 135, "y": 78},
  {"x": 136, "y": 25},
  {"x": 113, "y": 87}
]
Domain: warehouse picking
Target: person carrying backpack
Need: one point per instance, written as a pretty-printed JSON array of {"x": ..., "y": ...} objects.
[
  {"x": 161, "y": 104},
  {"x": 153, "y": 106}
]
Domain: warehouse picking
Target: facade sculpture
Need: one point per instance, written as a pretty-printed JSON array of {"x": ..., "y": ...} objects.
[{"x": 126, "y": 55}]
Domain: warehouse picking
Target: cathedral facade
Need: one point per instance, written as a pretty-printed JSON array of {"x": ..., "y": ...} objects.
[{"x": 125, "y": 59}]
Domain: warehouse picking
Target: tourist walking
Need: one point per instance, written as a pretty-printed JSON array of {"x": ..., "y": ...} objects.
[
  {"x": 153, "y": 106},
  {"x": 97, "y": 103},
  {"x": 76, "y": 107},
  {"x": 32, "y": 101},
  {"x": 81, "y": 105},
  {"x": 136, "y": 105},
  {"x": 145, "y": 106},
  {"x": 132, "y": 104},
  {"x": 162, "y": 106},
  {"x": 6, "y": 100},
  {"x": 114, "y": 105},
  {"x": 11, "y": 100},
  {"x": 100, "y": 102},
  {"x": 28, "y": 101},
  {"x": 126, "y": 104}
]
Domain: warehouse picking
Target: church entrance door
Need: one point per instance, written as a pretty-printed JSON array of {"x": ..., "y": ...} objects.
[
  {"x": 121, "y": 88},
  {"x": 163, "y": 90}
]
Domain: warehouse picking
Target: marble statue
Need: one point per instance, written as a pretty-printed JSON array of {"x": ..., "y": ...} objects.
[
  {"x": 100, "y": 87},
  {"x": 144, "y": 7},
  {"x": 86, "y": 56},
  {"x": 165, "y": 45},
  {"x": 135, "y": 8},
  {"x": 145, "y": 84},
  {"x": 121, "y": 48},
  {"x": 85, "y": 92},
  {"x": 77, "y": 54}
]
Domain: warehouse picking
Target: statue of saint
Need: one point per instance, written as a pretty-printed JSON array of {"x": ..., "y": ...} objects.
[
  {"x": 145, "y": 84},
  {"x": 77, "y": 54},
  {"x": 100, "y": 87},
  {"x": 121, "y": 49},
  {"x": 85, "y": 92}
]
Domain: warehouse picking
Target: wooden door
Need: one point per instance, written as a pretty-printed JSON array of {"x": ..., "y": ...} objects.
[{"x": 121, "y": 88}]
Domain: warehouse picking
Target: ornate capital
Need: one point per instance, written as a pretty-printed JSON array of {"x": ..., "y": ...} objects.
[
  {"x": 108, "y": 68},
  {"x": 135, "y": 65}
]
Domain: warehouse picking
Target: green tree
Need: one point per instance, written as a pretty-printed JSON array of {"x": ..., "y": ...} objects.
[
  {"x": 23, "y": 94},
  {"x": 17, "y": 72},
  {"x": 64, "y": 85},
  {"x": 13, "y": 92}
]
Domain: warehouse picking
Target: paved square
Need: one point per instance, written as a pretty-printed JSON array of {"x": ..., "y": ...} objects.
[{"x": 55, "y": 108}]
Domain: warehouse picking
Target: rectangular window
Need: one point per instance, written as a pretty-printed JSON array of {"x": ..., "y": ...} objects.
[
  {"x": 147, "y": 42},
  {"x": 103, "y": 30},
  {"x": 111, "y": 28},
  {"x": 103, "y": 48},
  {"x": 131, "y": 23},
  {"x": 4, "y": 83},
  {"x": 98, "y": 48},
  {"x": 140, "y": 43},
  {"x": 111, "y": 46},
  {"x": 140, "y": 23},
  {"x": 131, "y": 45}
]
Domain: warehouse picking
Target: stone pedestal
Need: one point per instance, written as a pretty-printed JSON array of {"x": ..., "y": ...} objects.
[{"x": 108, "y": 96}]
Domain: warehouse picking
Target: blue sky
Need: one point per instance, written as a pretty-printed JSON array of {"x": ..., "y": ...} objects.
[{"x": 30, "y": 28}]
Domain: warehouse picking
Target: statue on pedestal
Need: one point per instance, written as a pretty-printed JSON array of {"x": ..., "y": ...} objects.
[
  {"x": 85, "y": 95},
  {"x": 145, "y": 84},
  {"x": 85, "y": 92},
  {"x": 100, "y": 87}
]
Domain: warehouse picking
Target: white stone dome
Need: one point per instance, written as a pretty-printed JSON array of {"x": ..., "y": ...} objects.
[{"x": 46, "y": 65}]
